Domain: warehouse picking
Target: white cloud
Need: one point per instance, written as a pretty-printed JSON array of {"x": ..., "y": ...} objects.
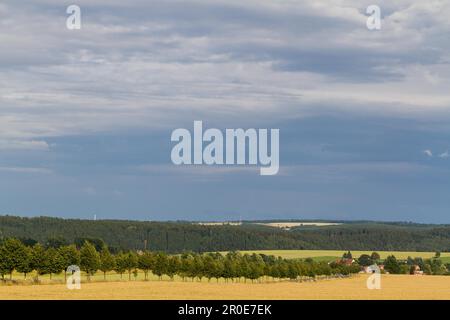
[
  {"x": 428, "y": 152},
  {"x": 444, "y": 155}
]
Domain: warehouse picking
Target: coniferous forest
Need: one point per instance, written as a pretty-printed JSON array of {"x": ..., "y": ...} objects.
[{"x": 178, "y": 237}]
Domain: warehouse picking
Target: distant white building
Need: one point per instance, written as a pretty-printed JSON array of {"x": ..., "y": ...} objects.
[{"x": 372, "y": 269}]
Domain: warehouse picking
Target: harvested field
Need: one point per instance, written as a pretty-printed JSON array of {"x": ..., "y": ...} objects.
[{"x": 393, "y": 287}]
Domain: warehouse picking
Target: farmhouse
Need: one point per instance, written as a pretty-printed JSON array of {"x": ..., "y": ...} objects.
[
  {"x": 415, "y": 270},
  {"x": 345, "y": 261}
]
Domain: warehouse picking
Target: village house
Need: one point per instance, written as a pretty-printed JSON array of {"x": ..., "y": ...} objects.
[{"x": 415, "y": 270}]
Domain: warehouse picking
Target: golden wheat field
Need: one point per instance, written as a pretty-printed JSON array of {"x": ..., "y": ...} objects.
[{"x": 392, "y": 287}]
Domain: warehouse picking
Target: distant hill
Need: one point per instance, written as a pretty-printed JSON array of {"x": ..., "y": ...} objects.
[{"x": 188, "y": 236}]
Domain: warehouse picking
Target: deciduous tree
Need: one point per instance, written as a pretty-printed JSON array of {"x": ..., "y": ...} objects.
[
  {"x": 70, "y": 256},
  {"x": 89, "y": 259},
  {"x": 107, "y": 261},
  {"x": 12, "y": 255}
]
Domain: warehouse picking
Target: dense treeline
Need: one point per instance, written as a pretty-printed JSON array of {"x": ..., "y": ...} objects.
[
  {"x": 432, "y": 266},
  {"x": 178, "y": 237},
  {"x": 15, "y": 256}
]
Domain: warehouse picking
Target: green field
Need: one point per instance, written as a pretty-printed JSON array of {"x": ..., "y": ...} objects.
[{"x": 329, "y": 255}]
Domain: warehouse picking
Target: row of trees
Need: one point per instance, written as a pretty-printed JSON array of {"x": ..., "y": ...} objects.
[
  {"x": 15, "y": 256},
  {"x": 433, "y": 266}
]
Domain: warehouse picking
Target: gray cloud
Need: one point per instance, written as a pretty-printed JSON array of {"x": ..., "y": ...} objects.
[
  {"x": 26, "y": 170},
  {"x": 23, "y": 145},
  {"x": 149, "y": 64}
]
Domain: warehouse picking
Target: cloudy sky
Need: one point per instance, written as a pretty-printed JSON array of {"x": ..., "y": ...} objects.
[{"x": 364, "y": 116}]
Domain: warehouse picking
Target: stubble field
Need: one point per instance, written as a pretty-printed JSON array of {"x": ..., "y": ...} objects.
[{"x": 392, "y": 287}]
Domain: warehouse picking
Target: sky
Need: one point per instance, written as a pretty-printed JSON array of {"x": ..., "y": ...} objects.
[{"x": 364, "y": 115}]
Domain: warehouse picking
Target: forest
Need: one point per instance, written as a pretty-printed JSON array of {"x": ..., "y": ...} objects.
[{"x": 183, "y": 236}]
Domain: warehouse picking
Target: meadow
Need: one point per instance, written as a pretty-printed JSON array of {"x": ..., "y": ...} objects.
[
  {"x": 392, "y": 287},
  {"x": 330, "y": 255}
]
